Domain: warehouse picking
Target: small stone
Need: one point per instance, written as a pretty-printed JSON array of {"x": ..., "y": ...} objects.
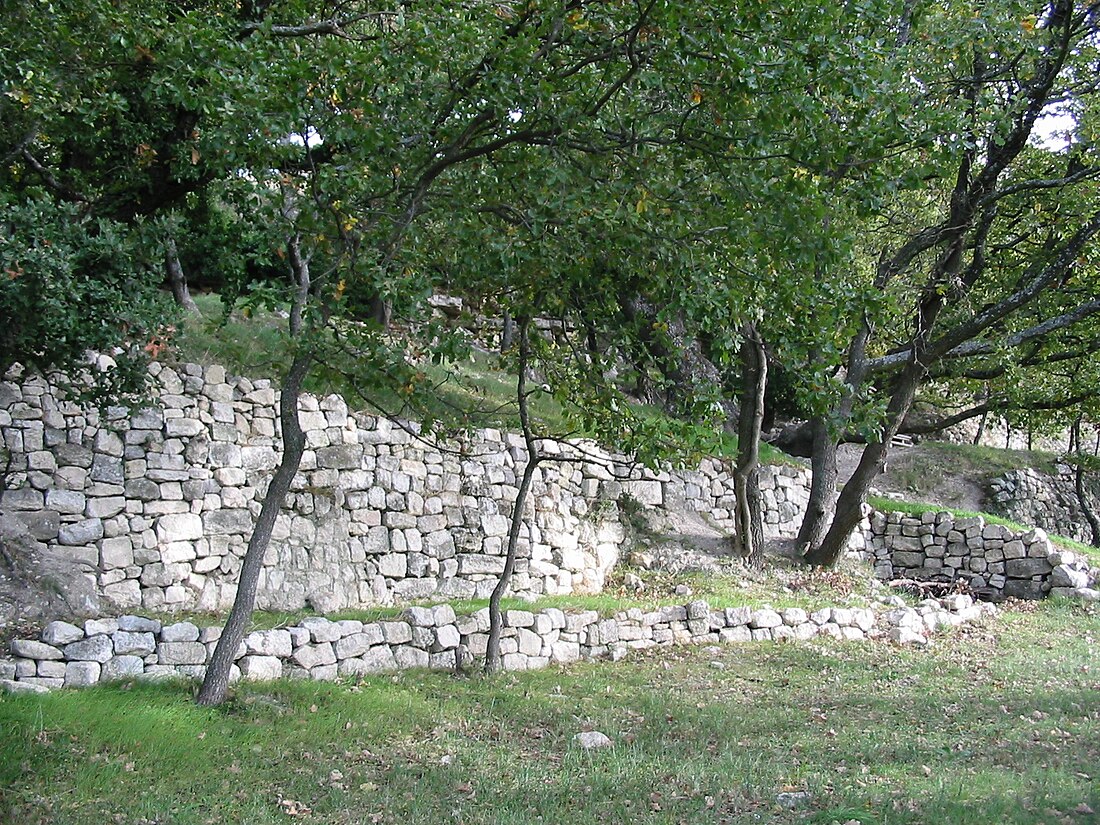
[
  {"x": 792, "y": 800},
  {"x": 592, "y": 740}
]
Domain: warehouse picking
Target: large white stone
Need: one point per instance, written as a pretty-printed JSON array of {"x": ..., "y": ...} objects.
[{"x": 179, "y": 527}]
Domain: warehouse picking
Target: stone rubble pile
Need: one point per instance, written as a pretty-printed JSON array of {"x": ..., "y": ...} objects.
[
  {"x": 993, "y": 560},
  {"x": 152, "y": 509},
  {"x": 71, "y": 655}
]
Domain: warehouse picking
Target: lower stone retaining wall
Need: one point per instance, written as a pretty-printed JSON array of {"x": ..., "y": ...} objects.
[
  {"x": 69, "y": 655},
  {"x": 994, "y": 560}
]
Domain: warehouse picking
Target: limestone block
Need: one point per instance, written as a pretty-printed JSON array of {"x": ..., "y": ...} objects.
[
  {"x": 138, "y": 624},
  {"x": 23, "y": 686},
  {"x": 81, "y": 533},
  {"x": 794, "y": 616},
  {"x": 395, "y": 633},
  {"x": 261, "y": 668},
  {"x": 122, "y": 667},
  {"x": 51, "y": 669},
  {"x": 407, "y": 657},
  {"x": 765, "y": 618},
  {"x": 135, "y": 644},
  {"x": 29, "y": 649},
  {"x": 67, "y": 502},
  {"x": 1023, "y": 568},
  {"x": 321, "y": 629},
  {"x": 94, "y": 649},
  {"x": 81, "y": 674},
  {"x": 1062, "y": 576},
  {"x": 179, "y": 632},
  {"x": 475, "y": 564},
  {"x": 61, "y": 633},
  {"x": 179, "y": 527},
  {"x": 312, "y": 655},
  {"x": 447, "y": 638},
  {"x": 419, "y": 616},
  {"x": 735, "y": 634},
  {"x": 183, "y": 427},
  {"x": 227, "y": 522},
  {"x": 108, "y": 469},
  {"x": 393, "y": 565},
  {"x": 518, "y": 618}
]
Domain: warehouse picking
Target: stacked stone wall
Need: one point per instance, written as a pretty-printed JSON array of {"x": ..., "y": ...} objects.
[
  {"x": 152, "y": 509},
  {"x": 1027, "y": 496},
  {"x": 133, "y": 647},
  {"x": 994, "y": 560}
]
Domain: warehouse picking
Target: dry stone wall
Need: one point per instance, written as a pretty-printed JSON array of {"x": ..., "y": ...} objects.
[
  {"x": 152, "y": 509},
  {"x": 1027, "y": 496},
  {"x": 993, "y": 560},
  {"x": 79, "y": 655}
]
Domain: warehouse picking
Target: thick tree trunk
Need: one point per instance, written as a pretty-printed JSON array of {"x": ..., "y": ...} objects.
[
  {"x": 822, "y": 501},
  {"x": 496, "y": 620},
  {"x": 849, "y": 506},
  {"x": 821, "y": 508},
  {"x": 749, "y": 540},
  {"x": 216, "y": 683},
  {"x": 177, "y": 281}
]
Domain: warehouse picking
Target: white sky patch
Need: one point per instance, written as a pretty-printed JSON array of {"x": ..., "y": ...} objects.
[
  {"x": 311, "y": 137},
  {"x": 1054, "y": 130}
]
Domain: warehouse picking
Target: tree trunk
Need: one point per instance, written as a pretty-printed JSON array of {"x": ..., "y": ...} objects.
[
  {"x": 981, "y": 428},
  {"x": 1079, "y": 485},
  {"x": 299, "y": 272},
  {"x": 849, "y": 506},
  {"x": 822, "y": 501},
  {"x": 496, "y": 623},
  {"x": 216, "y": 683},
  {"x": 749, "y": 539},
  {"x": 821, "y": 508},
  {"x": 176, "y": 279},
  {"x": 507, "y": 332},
  {"x": 496, "y": 619}
]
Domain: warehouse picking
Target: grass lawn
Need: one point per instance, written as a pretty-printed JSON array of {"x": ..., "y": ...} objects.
[{"x": 993, "y": 724}]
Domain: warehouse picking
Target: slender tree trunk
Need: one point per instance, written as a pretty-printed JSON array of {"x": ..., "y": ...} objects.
[
  {"x": 1079, "y": 485},
  {"x": 822, "y": 499},
  {"x": 216, "y": 683},
  {"x": 749, "y": 540},
  {"x": 981, "y": 428},
  {"x": 176, "y": 279},
  {"x": 849, "y": 506},
  {"x": 299, "y": 270},
  {"x": 507, "y": 331},
  {"x": 496, "y": 620}
]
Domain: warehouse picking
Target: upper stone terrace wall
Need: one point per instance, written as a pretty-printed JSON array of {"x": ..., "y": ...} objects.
[{"x": 152, "y": 509}]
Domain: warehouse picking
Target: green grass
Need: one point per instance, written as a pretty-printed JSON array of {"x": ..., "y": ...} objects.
[
  {"x": 922, "y": 471},
  {"x": 257, "y": 346},
  {"x": 998, "y": 723}
]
